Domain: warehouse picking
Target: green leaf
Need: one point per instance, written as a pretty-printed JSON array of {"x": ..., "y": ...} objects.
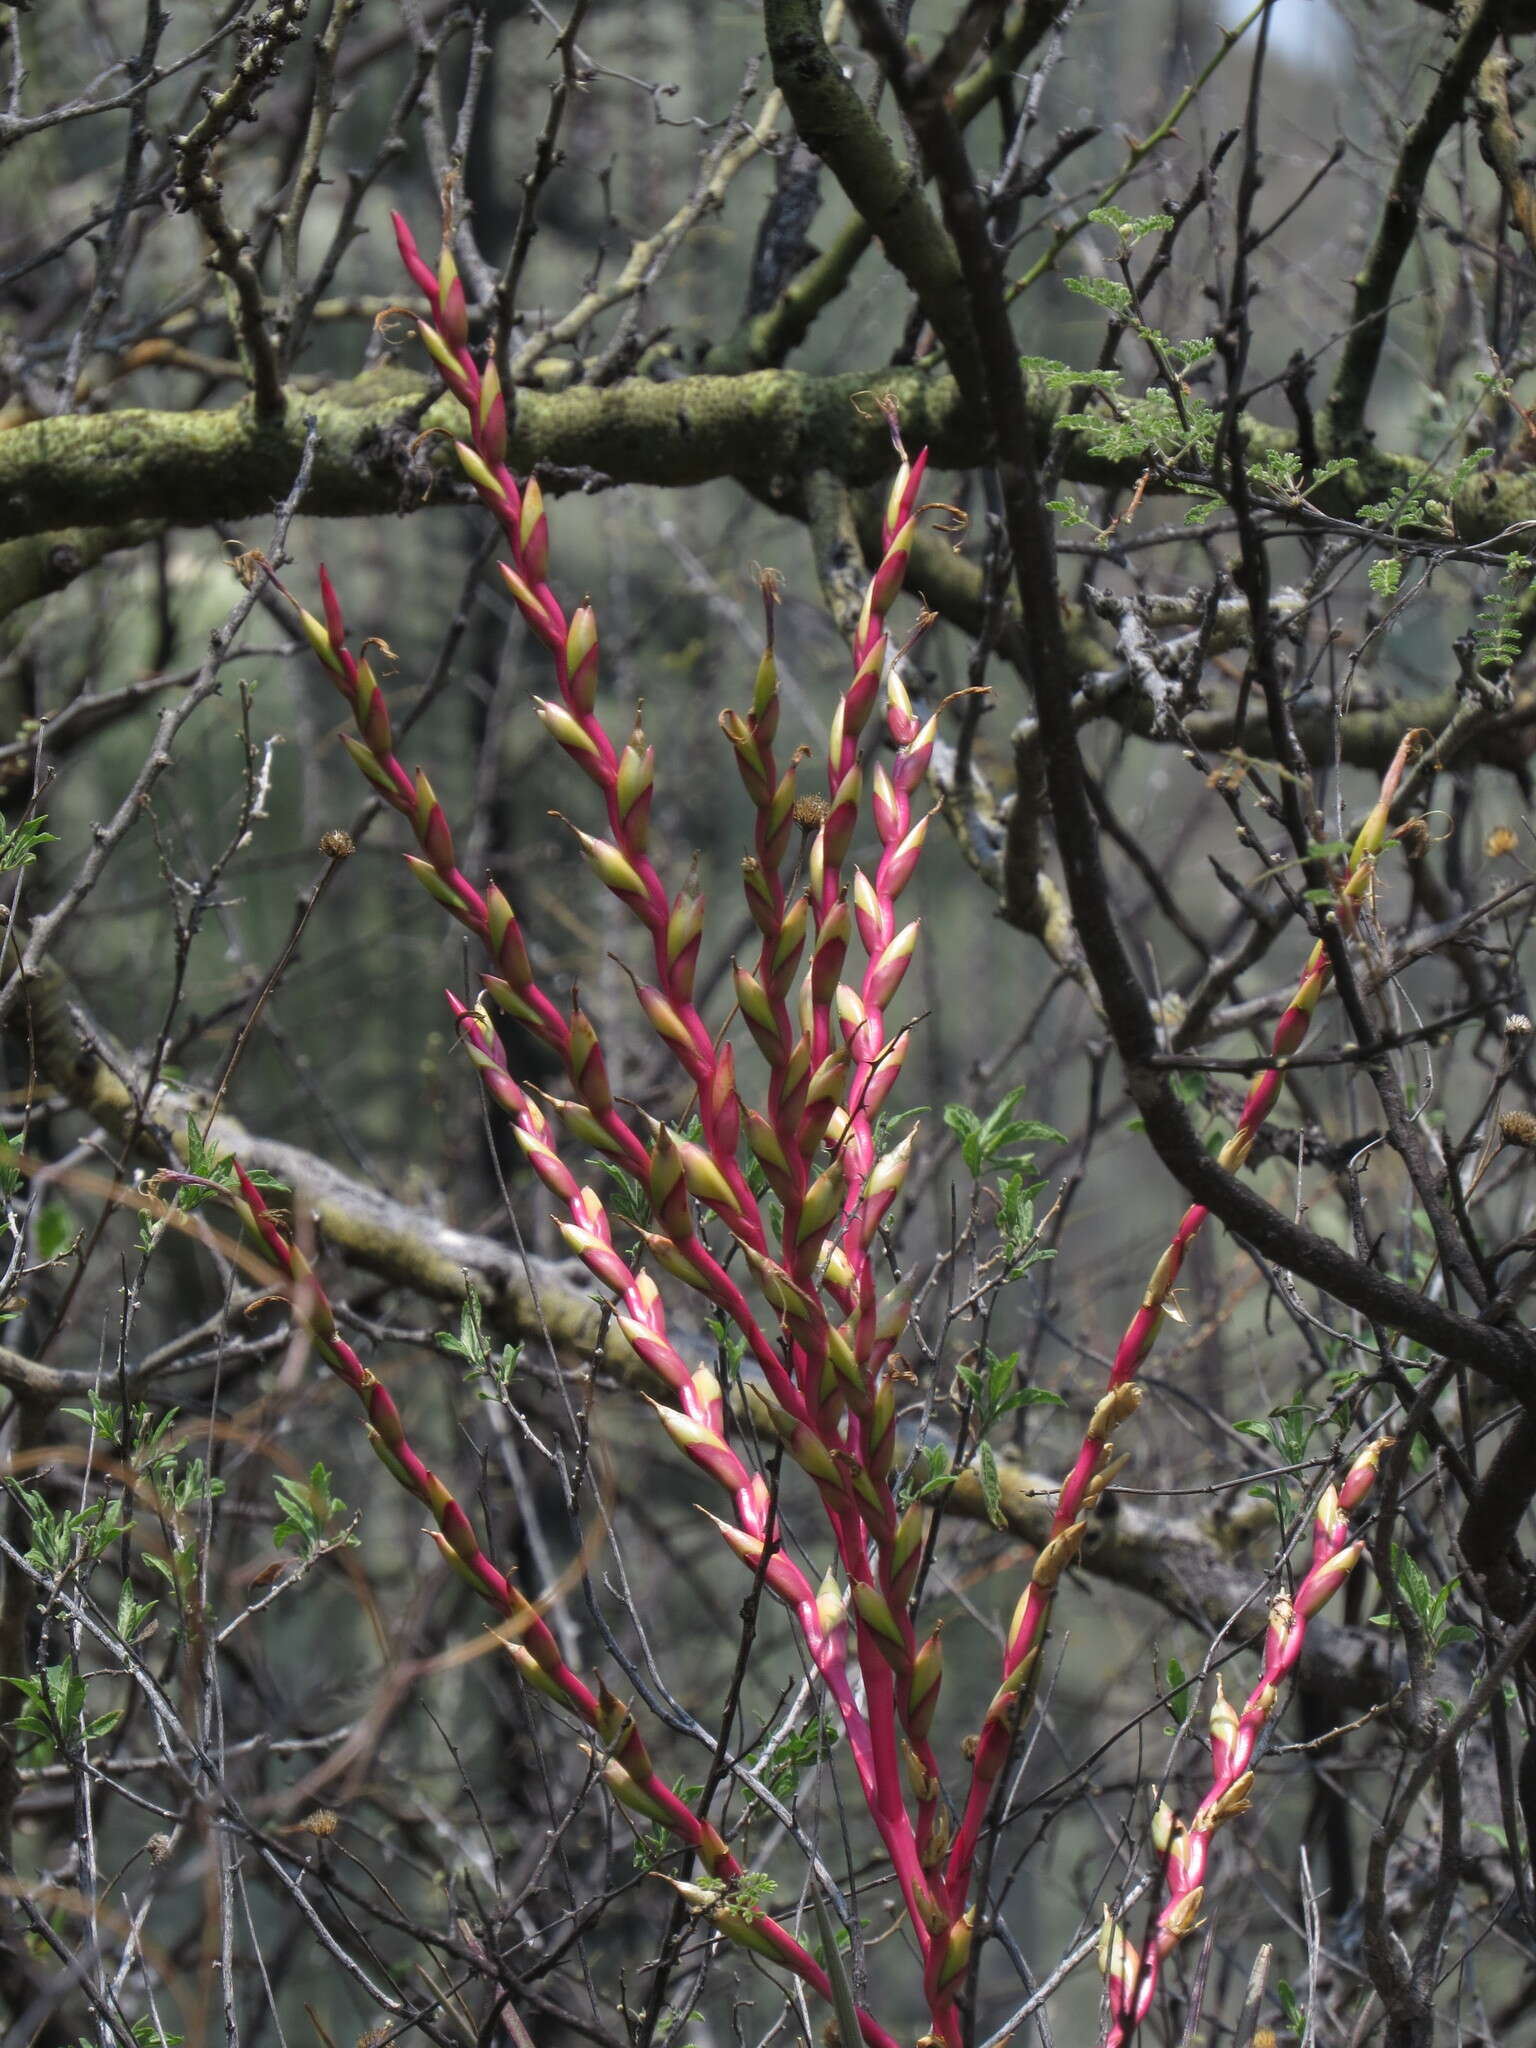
[
  {"x": 1131, "y": 227},
  {"x": 1069, "y": 511},
  {"x": 55, "y": 1230},
  {"x": 1295, "y": 2019},
  {"x": 991, "y": 1486},
  {"x": 1385, "y": 576},
  {"x": 1104, "y": 291},
  {"x": 1179, "y": 1690},
  {"x": 20, "y": 846},
  {"x": 307, "y": 1510}
]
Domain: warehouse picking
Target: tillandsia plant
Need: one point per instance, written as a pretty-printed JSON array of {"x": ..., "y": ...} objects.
[{"x": 802, "y": 1217}]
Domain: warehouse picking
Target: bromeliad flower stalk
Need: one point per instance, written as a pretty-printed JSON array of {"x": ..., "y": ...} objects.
[
  {"x": 1131, "y": 1978},
  {"x": 824, "y": 1394},
  {"x": 618, "y": 1748},
  {"x": 1097, "y": 1462},
  {"x": 822, "y": 1337}
]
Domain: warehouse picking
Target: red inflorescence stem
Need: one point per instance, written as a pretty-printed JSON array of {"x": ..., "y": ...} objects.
[
  {"x": 1131, "y": 1978},
  {"x": 625, "y": 1762},
  {"x": 826, "y": 1352}
]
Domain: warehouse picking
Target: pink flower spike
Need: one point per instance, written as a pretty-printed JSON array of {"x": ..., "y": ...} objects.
[
  {"x": 421, "y": 273},
  {"x": 334, "y": 624}
]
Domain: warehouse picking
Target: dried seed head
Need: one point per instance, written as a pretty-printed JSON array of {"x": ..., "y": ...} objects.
[
  {"x": 159, "y": 1846},
  {"x": 1414, "y": 837},
  {"x": 810, "y": 812},
  {"x": 322, "y": 1822},
  {"x": 338, "y": 845},
  {"x": 1518, "y": 1127},
  {"x": 1501, "y": 840},
  {"x": 1517, "y": 1025}
]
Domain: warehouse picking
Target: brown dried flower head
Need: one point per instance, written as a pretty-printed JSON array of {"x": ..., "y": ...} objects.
[
  {"x": 1518, "y": 1127},
  {"x": 1413, "y": 835}
]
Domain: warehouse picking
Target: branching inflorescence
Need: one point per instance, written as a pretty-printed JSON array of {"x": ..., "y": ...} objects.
[{"x": 822, "y": 1336}]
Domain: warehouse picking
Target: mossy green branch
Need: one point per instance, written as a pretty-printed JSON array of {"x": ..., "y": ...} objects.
[
  {"x": 769, "y": 429},
  {"x": 768, "y": 337},
  {"x": 887, "y": 194},
  {"x": 46, "y": 562},
  {"x": 189, "y": 468}
]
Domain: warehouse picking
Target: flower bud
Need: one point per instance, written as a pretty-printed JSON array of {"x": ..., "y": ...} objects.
[
  {"x": 884, "y": 1185},
  {"x": 900, "y": 720},
  {"x": 610, "y": 866},
  {"x": 823, "y": 1200},
  {"x": 956, "y": 1950},
  {"x": 831, "y": 1608},
  {"x": 859, "y": 701},
  {"x": 1057, "y": 1555},
  {"x": 572, "y": 735},
  {"x": 492, "y": 412},
  {"x": 897, "y": 867},
  {"x": 843, "y": 815},
  {"x": 870, "y": 913},
  {"x": 794, "y": 1082},
  {"x": 452, "y": 314},
  {"x": 886, "y": 972},
  {"x": 1224, "y": 1729},
  {"x": 762, "y": 1021},
  {"x": 912, "y": 762},
  {"x": 440, "y": 352},
  {"x": 505, "y": 938},
  {"x": 533, "y": 534},
  {"x": 479, "y": 473},
  {"x": 891, "y": 574},
  {"x": 585, "y": 1064},
  {"x": 436, "y": 886},
  {"x": 581, "y": 659},
  {"x": 633, "y": 788},
  {"x": 364, "y": 758},
  {"x": 630, "y": 1795},
  {"x": 923, "y": 1687},
  {"x": 550, "y": 628},
  {"x": 787, "y": 947},
  {"x": 751, "y": 761},
  {"x": 666, "y": 1186},
  {"x": 707, "y": 1448},
  {"x": 600, "y": 1259},
  {"x": 705, "y": 1181},
  {"x": 1112, "y": 1410},
  {"x": 320, "y": 641},
  {"x": 1119, "y": 1964},
  {"x": 769, "y": 1154},
  {"x": 1324, "y": 1580},
  {"x": 1361, "y": 1476},
  {"x": 420, "y": 272},
  {"x": 782, "y": 1576},
  {"x": 880, "y": 1433},
  {"x": 1182, "y": 1915},
  {"x": 885, "y": 1631},
  {"x": 830, "y": 951}
]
